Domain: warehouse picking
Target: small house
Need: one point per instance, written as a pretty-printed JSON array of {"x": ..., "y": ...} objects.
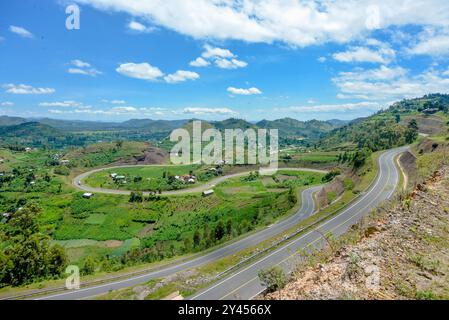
[
  {"x": 113, "y": 175},
  {"x": 120, "y": 178},
  {"x": 65, "y": 162},
  {"x": 208, "y": 193},
  {"x": 87, "y": 195}
]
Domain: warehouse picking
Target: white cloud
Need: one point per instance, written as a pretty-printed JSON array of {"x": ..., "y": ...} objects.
[
  {"x": 143, "y": 71},
  {"x": 118, "y": 101},
  {"x": 322, "y": 59},
  {"x": 245, "y": 92},
  {"x": 181, "y": 76},
  {"x": 123, "y": 109},
  {"x": 214, "y": 52},
  {"x": 21, "y": 31},
  {"x": 361, "y": 54},
  {"x": 139, "y": 27},
  {"x": 230, "y": 64},
  {"x": 366, "y": 106},
  {"x": 199, "y": 62},
  {"x": 64, "y": 104},
  {"x": 431, "y": 42},
  {"x": 83, "y": 68},
  {"x": 205, "y": 111},
  {"x": 80, "y": 64},
  {"x": 88, "y": 72},
  {"x": 375, "y": 51},
  {"x": 223, "y": 58},
  {"x": 297, "y": 23},
  {"x": 6, "y": 104},
  {"x": 26, "y": 89},
  {"x": 387, "y": 84}
]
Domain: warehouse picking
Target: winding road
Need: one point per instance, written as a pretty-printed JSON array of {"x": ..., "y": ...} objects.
[
  {"x": 77, "y": 182},
  {"x": 244, "y": 283}
]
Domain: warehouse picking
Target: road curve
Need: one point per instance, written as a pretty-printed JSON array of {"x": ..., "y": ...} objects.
[
  {"x": 245, "y": 284},
  {"x": 307, "y": 209},
  {"x": 77, "y": 182}
]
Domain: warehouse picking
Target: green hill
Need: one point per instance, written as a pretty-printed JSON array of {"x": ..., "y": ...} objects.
[{"x": 391, "y": 127}]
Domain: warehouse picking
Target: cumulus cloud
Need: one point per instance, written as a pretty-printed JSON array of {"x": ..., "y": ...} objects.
[
  {"x": 83, "y": 68},
  {"x": 230, "y": 64},
  {"x": 63, "y": 104},
  {"x": 245, "y": 92},
  {"x": 24, "y": 33},
  {"x": 139, "y": 27},
  {"x": 80, "y": 64},
  {"x": 214, "y": 52},
  {"x": 26, "y": 89},
  {"x": 327, "y": 108},
  {"x": 431, "y": 42},
  {"x": 297, "y": 23},
  {"x": 222, "y": 58},
  {"x": 199, "y": 62},
  {"x": 118, "y": 101},
  {"x": 89, "y": 72},
  {"x": 143, "y": 71},
  {"x": 181, "y": 76},
  {"x": 374, "y": 51},
  {"x": 206, "y": 111},
  {"x": 387, "y": 84}
]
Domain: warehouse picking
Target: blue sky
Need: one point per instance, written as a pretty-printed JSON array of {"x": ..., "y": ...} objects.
[{"x": 253, "y": 59}]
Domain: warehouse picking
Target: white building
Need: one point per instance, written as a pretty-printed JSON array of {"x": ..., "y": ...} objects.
[{"x": 208, "y": 193}]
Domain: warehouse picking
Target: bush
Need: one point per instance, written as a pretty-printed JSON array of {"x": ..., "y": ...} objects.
[
  {"x": 274, "y": 278},
  {"x": 62, "y": 171}
]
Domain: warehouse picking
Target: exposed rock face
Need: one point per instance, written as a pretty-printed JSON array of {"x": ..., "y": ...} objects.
[{"x": 401, "y": 253}]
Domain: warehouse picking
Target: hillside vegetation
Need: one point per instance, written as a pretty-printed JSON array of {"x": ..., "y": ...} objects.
[{"x": 396, "y": 126}]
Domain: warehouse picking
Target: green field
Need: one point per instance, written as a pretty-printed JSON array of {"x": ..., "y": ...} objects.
[
  {"x": 116, "y": 232},
  {"x": 304, "y": 158},
  {"x": 145, "y": 178}
]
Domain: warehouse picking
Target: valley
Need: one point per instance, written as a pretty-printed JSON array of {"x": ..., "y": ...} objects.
[{"x": 117, "y": 207}]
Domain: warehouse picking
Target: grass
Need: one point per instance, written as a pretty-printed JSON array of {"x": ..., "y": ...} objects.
[{"x": 144, "y": 178}]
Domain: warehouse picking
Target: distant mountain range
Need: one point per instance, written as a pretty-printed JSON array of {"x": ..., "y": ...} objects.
[{"x": 46, "y": 130}]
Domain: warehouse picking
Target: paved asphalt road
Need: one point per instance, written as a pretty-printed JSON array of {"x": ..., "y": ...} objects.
[
  {"x": 245, "y": 284},
  {"x": 78, "y": 181},
  {"x": 307, "y": 209}
]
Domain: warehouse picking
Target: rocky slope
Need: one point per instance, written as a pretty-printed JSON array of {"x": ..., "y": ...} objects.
[{"x": 401, "y": 252}]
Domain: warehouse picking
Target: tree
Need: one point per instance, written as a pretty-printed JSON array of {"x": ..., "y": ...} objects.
[
  {"x": 88, "y": 266},
  {"x": 229, "y": 227},
  {"x": 273, "y": 279},
  {"x": 397, "y": 118},
  {"x": 29, "y": 255},
  {"x": 412, "y": 131},
  {"x": 187, "y": 244},
  {"x": 24, "y": 221},
  {"x": 219, "y": 230},
  {"x": 136, "y": 197},
  {"x": 196, "y": 238}
]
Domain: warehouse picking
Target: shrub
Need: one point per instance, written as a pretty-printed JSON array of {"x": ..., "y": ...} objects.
[{"x": 273, "y": 278}]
